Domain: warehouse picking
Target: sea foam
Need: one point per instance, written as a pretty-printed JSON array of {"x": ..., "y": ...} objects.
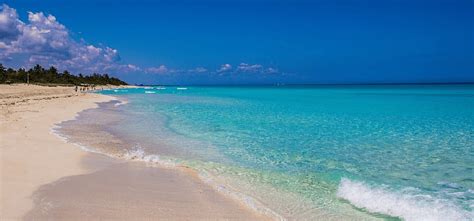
[
  {"x": 138, "y": 154},
  {"x": 406, "y": 203}
]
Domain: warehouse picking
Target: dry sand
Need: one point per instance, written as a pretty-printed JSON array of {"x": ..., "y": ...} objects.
[{"x": 45, "y": 178}]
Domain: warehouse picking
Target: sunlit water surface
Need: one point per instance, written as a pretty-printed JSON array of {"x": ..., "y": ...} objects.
[{"x": 329, "y": 152}]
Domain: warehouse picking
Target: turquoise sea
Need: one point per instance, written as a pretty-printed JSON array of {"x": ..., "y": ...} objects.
[{"x": 314, "y": 152}]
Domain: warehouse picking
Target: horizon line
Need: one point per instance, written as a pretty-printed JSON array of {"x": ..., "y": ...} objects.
[{"x": 312, "y": 84}]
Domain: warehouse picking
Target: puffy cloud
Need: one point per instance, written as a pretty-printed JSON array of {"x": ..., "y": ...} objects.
[
  {"x": 10, "y": 25},
  {"x": 162, "y": 69},
  {"x": 10, "y": 29},
  {"x": 224, "y": 68},
  {"x": 43, "y": 40}
]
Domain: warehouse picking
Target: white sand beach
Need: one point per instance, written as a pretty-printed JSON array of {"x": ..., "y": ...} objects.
[{"x": 43, "y": 177}]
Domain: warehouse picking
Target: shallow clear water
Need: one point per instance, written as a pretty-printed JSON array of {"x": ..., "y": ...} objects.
[{"x": 337, "y": 152}]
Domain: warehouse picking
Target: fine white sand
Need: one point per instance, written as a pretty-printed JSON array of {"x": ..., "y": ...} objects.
[
  {"x": 30, "y": 155},
  {"x": 43, "y": 177}
]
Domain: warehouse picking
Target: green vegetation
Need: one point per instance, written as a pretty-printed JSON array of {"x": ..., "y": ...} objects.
[{"x": 39, "y": 75}]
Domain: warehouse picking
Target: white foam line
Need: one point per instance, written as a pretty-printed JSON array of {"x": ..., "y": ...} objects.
[
  {"x": 121, "y": 101},
  {"x": 406, "y": 203},
  {"x": 137, "y": 154}
]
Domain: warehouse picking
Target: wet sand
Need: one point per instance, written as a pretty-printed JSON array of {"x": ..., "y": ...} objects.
[
  {"x": 45, "y": 178},
  {"x": 132, "y": 191}
]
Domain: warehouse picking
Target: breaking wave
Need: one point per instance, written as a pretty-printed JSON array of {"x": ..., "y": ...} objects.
[{"x": 406, "y": 204}]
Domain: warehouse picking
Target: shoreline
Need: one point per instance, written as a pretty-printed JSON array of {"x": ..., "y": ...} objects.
[
  {"x": 37, "y": 164},
  {"x": 96, "y": 140}
]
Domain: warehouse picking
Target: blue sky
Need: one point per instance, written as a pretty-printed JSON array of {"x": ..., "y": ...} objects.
[{"x": 241, "y": 42}]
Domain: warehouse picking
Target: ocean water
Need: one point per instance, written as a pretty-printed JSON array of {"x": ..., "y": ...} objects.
[{"x": 313, "y": 152}]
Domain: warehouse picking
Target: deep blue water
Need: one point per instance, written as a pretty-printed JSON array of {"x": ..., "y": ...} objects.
[{"x": 319, "y": 151}]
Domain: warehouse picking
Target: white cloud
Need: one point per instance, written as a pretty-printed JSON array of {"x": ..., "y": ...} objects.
[
  {"x": 10, "y": 29},
  {"x": 10, "y": 25},
  {"x": 224, "y": 68},
  {"x": 121, "y": 68},
  {"x": 245, "y": 68},
  {"x": 43, "y": 40},
  {"x": 162, "y": 69}
]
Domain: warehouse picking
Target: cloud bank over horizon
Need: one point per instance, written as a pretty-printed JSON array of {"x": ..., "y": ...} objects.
[{"x": 44, "y": 40}]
